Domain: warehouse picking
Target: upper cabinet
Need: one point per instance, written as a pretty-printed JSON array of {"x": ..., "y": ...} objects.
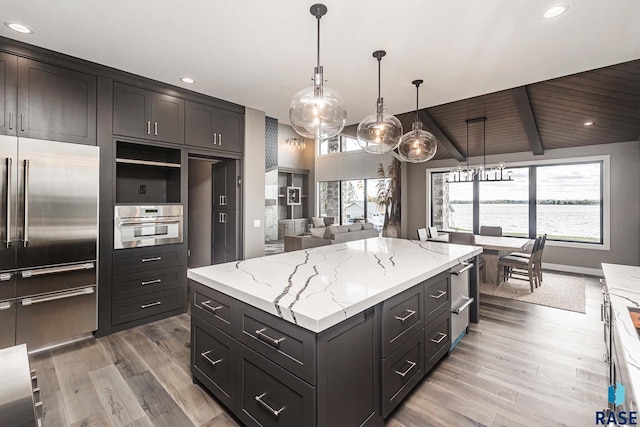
[
  {"x": 8, "y": 93},
  {"x": 214, "y": 128},
  {"x": 141, "y": 113},
  {"x": 46, "y": 102}
]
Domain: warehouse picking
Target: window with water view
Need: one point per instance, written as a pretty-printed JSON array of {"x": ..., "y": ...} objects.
[{"x": 566, "y": 199}]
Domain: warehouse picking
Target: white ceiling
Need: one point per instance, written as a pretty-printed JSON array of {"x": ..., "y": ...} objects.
[{"x": 260, "y": 53}]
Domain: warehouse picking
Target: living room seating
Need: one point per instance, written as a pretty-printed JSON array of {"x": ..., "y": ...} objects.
[{"x": 321, "y": 236}]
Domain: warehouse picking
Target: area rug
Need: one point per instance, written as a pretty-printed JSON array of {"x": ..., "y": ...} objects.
[{"x": 566, "y": 292}]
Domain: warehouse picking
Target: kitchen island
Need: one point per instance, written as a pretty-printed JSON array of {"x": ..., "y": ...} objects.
[{"x": 331, "y": 336}]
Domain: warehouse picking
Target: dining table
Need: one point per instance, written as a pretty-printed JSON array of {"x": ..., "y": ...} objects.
[{"x": 493, "y": 248}]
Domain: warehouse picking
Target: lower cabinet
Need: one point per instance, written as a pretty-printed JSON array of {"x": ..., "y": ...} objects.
[{"x": 271, "y": 372}]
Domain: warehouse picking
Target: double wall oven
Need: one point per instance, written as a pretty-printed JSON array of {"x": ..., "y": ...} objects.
[{"x": 48, "y": 241}]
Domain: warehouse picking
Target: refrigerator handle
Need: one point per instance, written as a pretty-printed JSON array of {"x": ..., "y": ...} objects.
[
  {"x": 26, "y": 204},
  {"x": 8, "y": 225}
]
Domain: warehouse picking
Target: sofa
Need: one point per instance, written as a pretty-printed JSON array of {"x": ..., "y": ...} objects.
[{"x": 330, "y": 234}]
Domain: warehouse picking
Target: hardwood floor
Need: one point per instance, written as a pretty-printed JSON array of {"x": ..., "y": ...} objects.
[{"x": 522, "y": 365}]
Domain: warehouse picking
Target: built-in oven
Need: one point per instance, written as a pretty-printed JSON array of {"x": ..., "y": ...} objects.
[{"x": 136, "y": 226}]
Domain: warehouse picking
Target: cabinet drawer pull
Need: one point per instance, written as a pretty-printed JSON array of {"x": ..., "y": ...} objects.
[
  {"x": 157, "y": 258},
  {"x": 264, "y": 337},
  {"x": 267, "y": 407},
  {"x": 152, "y": 304},
  {"x": 5, "y": 305},
  {"x": 207, "y": 304},
  {"x": 22, "y": 122},
  {"x": 220, "y": 139},
  {"x": 210, "y": 360},
  {"x": 215, "y": 139},
  {"x": 402, "y": 319},
  {"x": 10, "y": 120},
  {"x": 150, "y": 282},
  {"x": 438, "y": 341},
  {"x": 148, "y": 127},
  {"x": 403, "y": 374},
  {"x": 155, "y": 128},
  {"x": 440, "y": 295}
]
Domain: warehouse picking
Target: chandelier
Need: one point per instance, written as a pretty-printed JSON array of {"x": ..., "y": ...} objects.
[
  {"x": 297, "y": 143},
  {"x": 318, "y": 112},
  {"x": 479, "y": 172}
]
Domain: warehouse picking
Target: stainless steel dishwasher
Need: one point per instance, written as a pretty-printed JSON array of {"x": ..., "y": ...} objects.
[{"x": 460, "y": 301}]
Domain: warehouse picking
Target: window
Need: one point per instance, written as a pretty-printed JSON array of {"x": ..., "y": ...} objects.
[
  {"x": 564, "y": 201},
  {"x": 337, "y": 144},
  {"x": 506, "y": 204},
  {"x": 351, "y": 201},
  {"x": 569, "y": 202}
]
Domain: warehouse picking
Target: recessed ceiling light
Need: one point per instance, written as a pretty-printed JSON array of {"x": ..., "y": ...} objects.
[
  {"x": 556, "y": 10},
  {"x": 187, "y": 80},
  {"x": 21, "y": 28},
  {"x": 589, "y": 123}
]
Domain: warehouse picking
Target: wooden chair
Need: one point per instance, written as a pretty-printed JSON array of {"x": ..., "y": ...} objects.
[
  {"x": 489, "y": 230},
  {"x": 538, "y": 261},
  {"x": 422, "y": 234},
  {"x": 508, "y": 265}
]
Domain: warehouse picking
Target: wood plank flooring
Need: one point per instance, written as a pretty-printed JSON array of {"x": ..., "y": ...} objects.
[{"x": 522, "y": 365}]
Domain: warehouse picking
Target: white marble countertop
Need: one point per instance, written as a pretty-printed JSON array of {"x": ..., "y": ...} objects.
[
  {"x": 623, "y": 285},
  {"x": 320, "y": 287}
]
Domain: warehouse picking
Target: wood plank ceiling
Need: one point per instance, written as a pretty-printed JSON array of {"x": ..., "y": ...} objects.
[{"x": 609, "y": 96}]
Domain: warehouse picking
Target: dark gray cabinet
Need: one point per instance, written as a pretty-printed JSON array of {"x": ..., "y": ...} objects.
[
  {"x": 8, "y": 93},
  {"x": 214, "y": 128},
  {"x": 226, "y": 213},
  {"x": 352, "y": 374},
  {"x": 141, "y": 113},
  {"x": 43, "y": 101},
  {"x": 148, "y": 284}
]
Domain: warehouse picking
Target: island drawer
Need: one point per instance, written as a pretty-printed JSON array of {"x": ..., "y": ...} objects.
[
  {"x": 282, "y": 342},
  {"x": 270, "y": 396},
  {"x": 139, "y": 307},
  {"x": 215, "y": 307},
  {"x": 437, "y": 295},
  {"x": 401, "y": 372},
  {"x": 213, "y": 360},
  {"x": 137, "y": 260},
  {"x": 147, "y": 282},
  {"x": 437, "y": 340},
  {"x": 402, "y": 317}
]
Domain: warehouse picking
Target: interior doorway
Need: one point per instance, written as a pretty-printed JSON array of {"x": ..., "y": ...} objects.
[{"x": 200, "y": 196}]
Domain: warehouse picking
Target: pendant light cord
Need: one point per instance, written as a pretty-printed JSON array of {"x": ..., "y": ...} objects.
[
  {"x": 318, "y": 52},
  {"x": 417, "y": 95},
  {"x": 379, "y": 76},
  {"x": 467, "y": 145},
  {"x": 484, "y": 144}
]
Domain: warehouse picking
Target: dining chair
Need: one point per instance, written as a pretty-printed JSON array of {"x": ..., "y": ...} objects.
[
  {"x": 433, "y": 231},
  {"x": 490, "y": 230},
  {"x": 509, "y": 265},
  {"x": 422, "y": 234},
  {"x": 538, "y": 261}
]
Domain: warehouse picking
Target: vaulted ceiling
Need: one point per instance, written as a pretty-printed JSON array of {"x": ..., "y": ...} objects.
[{"x": 545, "y": 115}]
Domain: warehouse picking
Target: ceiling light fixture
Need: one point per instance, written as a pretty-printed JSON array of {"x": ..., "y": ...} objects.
[
  {"x": 379, "y": 133},
  {"x": 188, "y": 80},
  {"x": 589, "y": 123},
  {"x": 496, "y": 173},
  {"x": 297, "y": 143},
  {"x": 21, "y": 28},
  {"x": 417, "y": 145},
  {"x": 318, "y": 112},
  {"x": 556, "y": 10}
]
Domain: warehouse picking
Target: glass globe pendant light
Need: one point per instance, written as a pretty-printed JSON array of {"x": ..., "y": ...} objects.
[
  {"x": 318, "y": 112},
  {"x": 380, "y": 132},
  {"x": 417, "y": 145}
]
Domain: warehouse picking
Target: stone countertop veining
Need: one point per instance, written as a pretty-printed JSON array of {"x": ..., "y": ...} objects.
[
  {"x": 320, "y": 287},
  {"x": 623, "y": 286}
]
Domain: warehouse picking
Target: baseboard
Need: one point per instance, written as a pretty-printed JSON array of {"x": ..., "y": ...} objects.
[{"x": 573, "y": 269}]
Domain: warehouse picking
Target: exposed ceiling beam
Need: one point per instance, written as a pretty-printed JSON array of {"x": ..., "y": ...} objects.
[
  {"x": 523, "y": 103},
  {"x": 440, "y": 134}
]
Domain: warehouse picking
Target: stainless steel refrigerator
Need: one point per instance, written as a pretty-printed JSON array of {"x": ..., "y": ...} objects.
[{"x": 48, "y": 241}]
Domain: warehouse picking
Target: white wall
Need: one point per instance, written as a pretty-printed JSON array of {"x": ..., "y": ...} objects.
[
  {"x": 289, "y": 157},
  {"x": 253, "y": 183},
  {"x": 624, "y": 236}
]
